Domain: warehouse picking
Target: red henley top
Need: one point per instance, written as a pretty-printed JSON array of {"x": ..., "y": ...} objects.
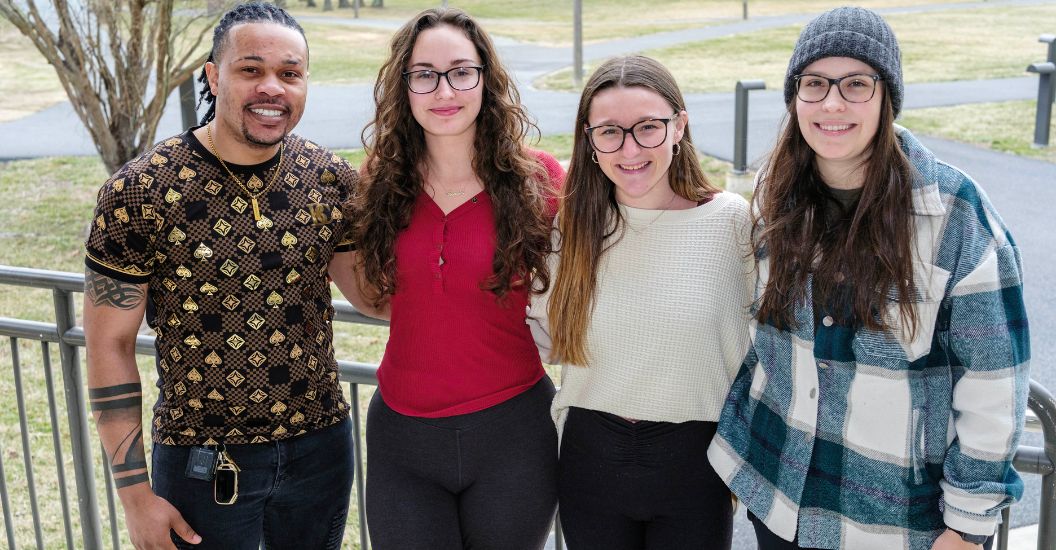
[{"x": 453, "y": 347}]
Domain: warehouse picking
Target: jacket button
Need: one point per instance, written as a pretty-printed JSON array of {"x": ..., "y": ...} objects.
[{"x": 827, "y": 321}]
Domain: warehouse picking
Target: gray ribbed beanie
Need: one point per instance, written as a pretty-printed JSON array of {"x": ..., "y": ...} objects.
[{"x": 849, "y": 32}]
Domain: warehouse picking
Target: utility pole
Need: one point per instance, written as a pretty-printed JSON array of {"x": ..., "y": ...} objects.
[{"x": 577, "y": 46}]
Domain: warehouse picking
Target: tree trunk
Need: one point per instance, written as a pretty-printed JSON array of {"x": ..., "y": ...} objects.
[{"x": 328, "y": 5}]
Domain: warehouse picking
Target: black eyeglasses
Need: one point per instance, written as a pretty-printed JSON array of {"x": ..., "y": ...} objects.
[
  {"x": 855, "y": 88},
  {"x": 427, "y": 81},
  {"x": 648, "y": 134}
]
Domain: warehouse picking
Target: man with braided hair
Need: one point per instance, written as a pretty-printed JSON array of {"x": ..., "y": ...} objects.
[{"x": 222, "y": 236}]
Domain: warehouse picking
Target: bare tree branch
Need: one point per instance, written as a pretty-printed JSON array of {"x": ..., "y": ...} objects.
[{"x": 118, "y": 60}]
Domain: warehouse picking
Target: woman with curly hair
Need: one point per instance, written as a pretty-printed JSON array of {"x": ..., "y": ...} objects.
[{"x": 452, "y": 225}]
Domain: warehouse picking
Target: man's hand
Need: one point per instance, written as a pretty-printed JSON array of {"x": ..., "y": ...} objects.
[
  {"x": 149, "y": 519},
  {"x": 952, "y": 541}
]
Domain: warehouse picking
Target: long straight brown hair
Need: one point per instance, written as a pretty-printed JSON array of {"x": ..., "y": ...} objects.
[
  {"x": 589, "y": 214},
  {"x": 872, "y": 252},
  {"x": 513, "y": 177}
]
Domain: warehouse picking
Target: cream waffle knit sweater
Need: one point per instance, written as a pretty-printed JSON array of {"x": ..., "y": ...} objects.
[{"x": 670, "y": 322}]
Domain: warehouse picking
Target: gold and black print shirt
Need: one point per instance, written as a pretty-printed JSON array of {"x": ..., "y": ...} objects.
[{"x": 240, "y": 305}]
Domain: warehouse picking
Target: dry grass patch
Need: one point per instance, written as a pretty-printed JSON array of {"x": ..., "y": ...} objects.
[
  {"x": 937, "y": 46},
  {"x": 29, "y": 83},
  {"x": 1006, "y": 126}
]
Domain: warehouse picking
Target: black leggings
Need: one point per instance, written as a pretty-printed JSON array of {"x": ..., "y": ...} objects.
[
  {"x": 485, "y": 480},
  {"x": 767, "y": 540},
  {"x": 640, "y": 485}
]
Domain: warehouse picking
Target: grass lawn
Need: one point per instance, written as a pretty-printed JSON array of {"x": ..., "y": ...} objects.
[
  {"x": 550, "y": 21},
  {"x": 1006, "y": 126},
  {"x": 29, "y": 83},
  {"x": 939, "y": 46}
]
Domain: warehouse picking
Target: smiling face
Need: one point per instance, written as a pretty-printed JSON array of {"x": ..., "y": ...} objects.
[
  {"x": 445, "y": 112},
  {"x": 260, "y": 81},
  {"x": 639, "y": 174},
  {"x": 839, "y": 132}
]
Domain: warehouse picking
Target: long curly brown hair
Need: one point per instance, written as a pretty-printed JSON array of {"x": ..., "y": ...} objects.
[
  {"x": 513, "y": 177},
  {"x": 872, "y": 252},
  {"x": 589, "y": 213}
]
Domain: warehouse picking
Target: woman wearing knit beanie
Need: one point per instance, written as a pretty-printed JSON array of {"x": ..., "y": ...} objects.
[{"x": 882, "y": 398}]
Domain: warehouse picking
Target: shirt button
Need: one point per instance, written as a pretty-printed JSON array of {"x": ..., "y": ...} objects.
[
  {"x": 813, "y": 392},
  {"x": 823, "y": 365},
  {"x": 827, "y": 321}
]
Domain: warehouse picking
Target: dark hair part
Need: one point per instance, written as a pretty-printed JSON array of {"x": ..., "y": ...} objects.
[
  {"x": 589, "y": 213},
  {"x": 513, "y": 176},
  {"x": 250, "y": 12},
  {"x": 871, "y": 251}
]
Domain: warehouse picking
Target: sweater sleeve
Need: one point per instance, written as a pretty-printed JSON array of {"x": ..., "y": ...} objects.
[
  {"x": 989, "y": 348},
  {"x": 538, "y": 310}
]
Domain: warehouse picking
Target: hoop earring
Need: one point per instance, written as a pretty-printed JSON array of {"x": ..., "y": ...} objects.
[
  {"x": 594, "y": 156},
  {"x": 678, "y": 149}
]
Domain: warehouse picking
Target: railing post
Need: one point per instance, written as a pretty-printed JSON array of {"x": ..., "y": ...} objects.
[
  {"x": 1044, "y": 405},
  {"x": 1043, "y": 115},
  {"x": 80, "y": 444},
  {"x": 739, "y": 180}
]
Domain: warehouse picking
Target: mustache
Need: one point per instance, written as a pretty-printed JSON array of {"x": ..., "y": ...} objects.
[{"x": 265, "y": 103}]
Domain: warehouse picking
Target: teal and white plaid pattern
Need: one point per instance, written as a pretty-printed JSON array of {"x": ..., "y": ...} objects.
[{"x": 860, "y": 439}]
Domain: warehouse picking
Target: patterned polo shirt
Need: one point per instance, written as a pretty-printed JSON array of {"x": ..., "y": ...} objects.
[{"x": 241, "y": 305}]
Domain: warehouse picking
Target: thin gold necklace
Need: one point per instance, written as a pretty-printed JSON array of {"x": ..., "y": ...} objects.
[
  {"x": 252, "y": 196},
  {"x": 662, "y": 212}
]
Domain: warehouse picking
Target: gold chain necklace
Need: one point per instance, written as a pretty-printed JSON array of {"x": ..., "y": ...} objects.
[
  {"x": 261, "y": 223},
  {"x": 662, "y": 212}
]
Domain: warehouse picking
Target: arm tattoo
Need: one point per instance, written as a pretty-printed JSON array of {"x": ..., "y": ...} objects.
[
  {"x": 105, "y": 291},
  {"x": 117, "y": 410}
]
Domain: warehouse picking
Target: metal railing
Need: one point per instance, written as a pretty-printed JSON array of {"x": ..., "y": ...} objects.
[{"x": 68, "y": 337}]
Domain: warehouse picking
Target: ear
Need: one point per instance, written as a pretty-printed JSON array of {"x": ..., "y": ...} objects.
[
  {"x": 681, "y": 121},
  {"x": 212, "y": 73}
]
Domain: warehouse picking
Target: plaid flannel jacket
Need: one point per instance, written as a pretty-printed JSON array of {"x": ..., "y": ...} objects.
[{"x": 863, "y": 439}]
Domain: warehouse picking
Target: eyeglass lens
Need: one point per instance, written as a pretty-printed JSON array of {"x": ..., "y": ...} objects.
[
  {"x": 459, "y": 78},
  {"x": 647, "y": 133},
  {"x": 856, "y": 88}
]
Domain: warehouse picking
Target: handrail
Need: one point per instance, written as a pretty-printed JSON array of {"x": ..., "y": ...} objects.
[{"x": 1028, "y": 459}]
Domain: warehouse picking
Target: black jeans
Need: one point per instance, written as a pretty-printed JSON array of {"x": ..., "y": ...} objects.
[
  {"x": 484, "y": 480},
  {"x": 767, "y": 540},
  {"x": 640, "y": 485},
  {"x": 292, "y": 493}
]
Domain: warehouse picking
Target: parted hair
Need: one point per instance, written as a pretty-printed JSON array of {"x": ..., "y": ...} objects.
[
  {"x": 513, "y": 177},
  {"x": 589, "y": 214},
  {"x": 249, "y": 12},
  {"x": 870, "y": 251}
]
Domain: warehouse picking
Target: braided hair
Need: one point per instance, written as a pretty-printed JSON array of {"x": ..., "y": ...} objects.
[{"x": 249, "y": 12}]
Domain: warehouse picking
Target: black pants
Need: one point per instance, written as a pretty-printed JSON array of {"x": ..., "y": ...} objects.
[
  {"x": 767, "y": 540},
  {"x": 485, "y": 480},
  {"x": 640, "y": 485}
]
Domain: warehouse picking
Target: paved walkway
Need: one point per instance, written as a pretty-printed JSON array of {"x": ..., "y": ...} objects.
[{"x": 1022, "y": 189}]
